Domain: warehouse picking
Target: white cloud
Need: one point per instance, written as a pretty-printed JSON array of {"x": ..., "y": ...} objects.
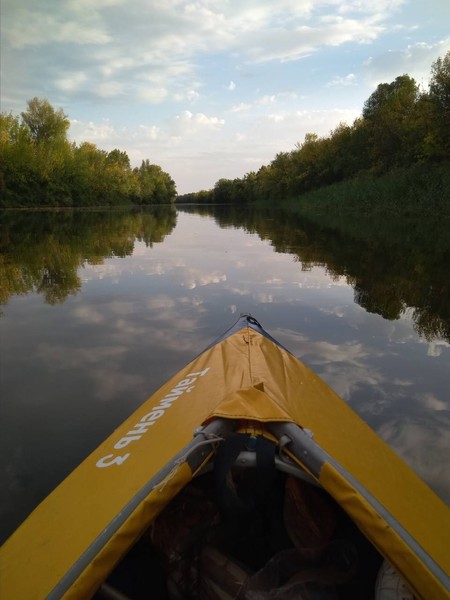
[
  {"x": 160, "y": 302},
  {"x": 264, "y": 298},
  {"x": 72, "y": 82},
  {"x": 192, "y": 95},
  {"x": 162, "y": 40},
  {"x": 89, "y": 314},
  {"x": 349, "y": 79},
  {"x": 415, "y": 60},
  {"x": 436, "y": 347},
  {"x": 267, "y": 99},
  {"x": 242, "y": 106},
  {"x": 432, "y": 403},
  {"x": 83, "y": 5},
  {"x": 152, "y": 132},
  {"x": 422, "y": 445},
  {"x": 97, "y": 133},
  {"x": 193, "y": 278},
  {"x": 30, "y": 28},
  {"x": 109, "y": 89},
  {"x": 77, "y": 357},
  {"x": 153, "y": 95},
  {"x": 188, "y": 122}
]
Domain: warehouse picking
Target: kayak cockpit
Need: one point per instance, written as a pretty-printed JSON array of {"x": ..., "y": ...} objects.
[{"x": 251, "y": 524}]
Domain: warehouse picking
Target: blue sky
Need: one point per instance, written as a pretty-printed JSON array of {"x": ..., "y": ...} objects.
[{"x": 208, "y": 88}]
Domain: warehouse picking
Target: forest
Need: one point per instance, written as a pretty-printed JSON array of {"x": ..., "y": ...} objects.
[
  {"x": 403, "y": 133},
  {"x": 40, "y": 167}
]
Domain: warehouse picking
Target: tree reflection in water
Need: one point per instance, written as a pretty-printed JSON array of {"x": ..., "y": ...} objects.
[
  {"x": 394, "y": 265},
  {"x": 42, "y": 251}
]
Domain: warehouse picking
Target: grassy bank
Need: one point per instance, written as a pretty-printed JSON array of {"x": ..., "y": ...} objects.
[{"x": 421, "y": 191}]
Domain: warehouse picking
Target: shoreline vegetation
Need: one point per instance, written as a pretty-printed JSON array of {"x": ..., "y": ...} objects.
[
  {"x": 41, "y": 168},
  {"x": 394, "y": 159},
  {"x": 423, "y": 192}
]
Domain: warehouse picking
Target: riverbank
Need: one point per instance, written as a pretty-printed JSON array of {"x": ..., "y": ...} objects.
[{"x": 421, "y": 191}]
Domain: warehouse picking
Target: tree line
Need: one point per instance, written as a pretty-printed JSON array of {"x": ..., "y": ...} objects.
[
  {"x": 401, "y": 126},
  {"x": 39, "y": 166}
]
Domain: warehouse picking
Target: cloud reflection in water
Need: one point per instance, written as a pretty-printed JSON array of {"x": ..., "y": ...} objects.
[{"x": 93, "y": 358}]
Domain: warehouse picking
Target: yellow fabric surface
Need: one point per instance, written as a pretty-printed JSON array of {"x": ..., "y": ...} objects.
[
  {"x": 385, "y": 539},
  {"x": 250, "y": 403},
  {"x": 86, "y": 585}
]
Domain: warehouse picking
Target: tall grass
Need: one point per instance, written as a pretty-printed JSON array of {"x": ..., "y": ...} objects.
[{"x": 417, "y": 192}]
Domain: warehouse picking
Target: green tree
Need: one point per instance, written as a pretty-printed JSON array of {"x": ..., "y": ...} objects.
[
  {"x": 16, "y": 159},
  {"x": 439, "y": 95},
  {"x": 440, "y": 82},
  {"x": 155, "y": 185},
  {"x": 40, "y": 167},
  {"x": 120, "y": 178},
  {"x": 387, "y": 113},
  {"x": 223, "y": 191},
  {"x": 44, "y": 122}
]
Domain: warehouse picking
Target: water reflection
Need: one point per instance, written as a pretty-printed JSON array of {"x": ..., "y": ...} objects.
[
  {"x": 393, "y": 267},
  {"x": 101, "y": 308},
  {"x": 42, "y": 251}
]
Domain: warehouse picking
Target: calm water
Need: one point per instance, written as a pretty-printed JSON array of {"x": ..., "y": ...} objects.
[{"x": 99, "y": 309}]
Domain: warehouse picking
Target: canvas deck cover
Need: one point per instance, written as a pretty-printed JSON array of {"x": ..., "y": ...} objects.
[{"x": 73, "y": 539}]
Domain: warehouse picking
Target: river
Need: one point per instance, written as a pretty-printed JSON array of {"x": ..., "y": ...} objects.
[{"x": 100, "y": 308}]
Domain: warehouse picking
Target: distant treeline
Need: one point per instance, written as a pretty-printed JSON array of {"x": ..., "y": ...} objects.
[
  {"x": 401, "y": 127},
  {"x": 40, "y": 167}
]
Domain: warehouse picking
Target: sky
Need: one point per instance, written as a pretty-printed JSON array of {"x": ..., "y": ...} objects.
[{"x": 206, "y": 88}]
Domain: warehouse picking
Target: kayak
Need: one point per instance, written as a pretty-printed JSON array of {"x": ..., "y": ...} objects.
[{"x": 244, "y": 476}]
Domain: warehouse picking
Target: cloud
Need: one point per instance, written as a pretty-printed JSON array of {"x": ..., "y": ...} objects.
[
  {"x": 206, "y": 144},
  {"x": 89, "y": 314},
  {"x": 109, "y": 89},
  {"x": 432, "y": 403},
  {"x": 56, "y": 356},
  {"x": 98, "y": 133},
  {"x": 349, "y": 79},
  {"x": 192, "y": 95},
  {"x": 193, "y": 278},
  {"x": 72, "y": 82},
  {"x": 422, "y": 443},
  {"x": 164, "y": 41},
  {"x": 152, "y": 132},
  {"x": 415, "y": 60},
  {"x": 31, "y": 28},
  {"x": 160, "y": 301},
  {"x": 242, "y": 106},
  {"x": 187, "y": 123},
  {"x": 153, "y": 95}
]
